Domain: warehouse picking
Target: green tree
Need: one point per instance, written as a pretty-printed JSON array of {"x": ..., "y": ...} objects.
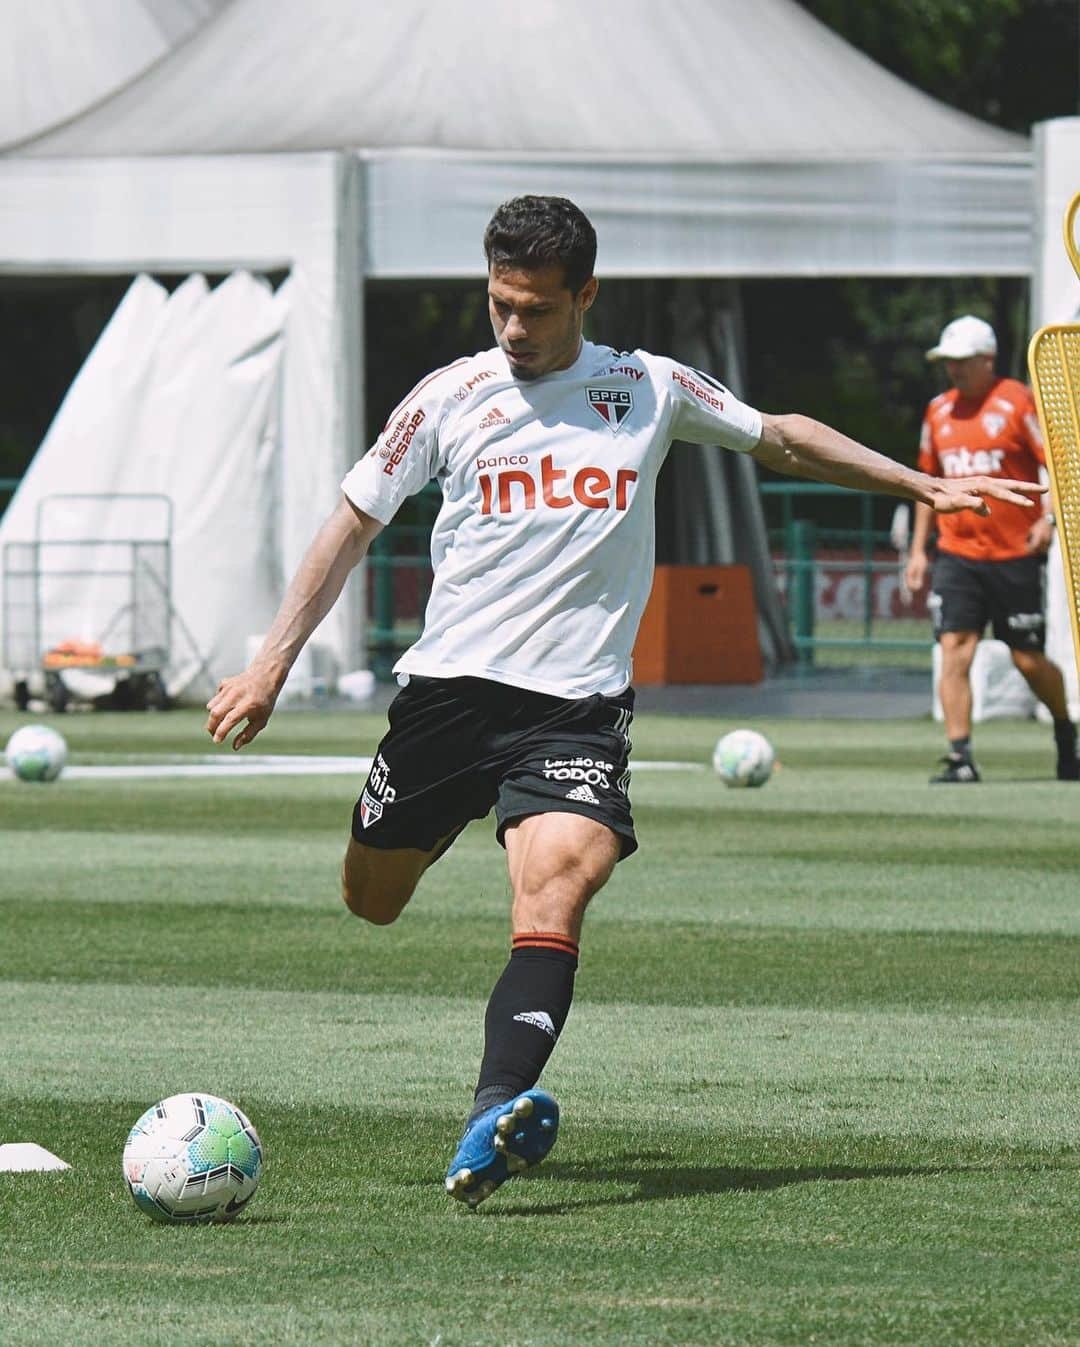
[{"x": 1011, "y": 62}]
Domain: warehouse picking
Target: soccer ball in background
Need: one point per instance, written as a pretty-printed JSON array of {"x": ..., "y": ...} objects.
[
  {"x": 743, "y": 758},
  {"x": 192, "y": 1159},
  {"x": 36, "y": 753}
]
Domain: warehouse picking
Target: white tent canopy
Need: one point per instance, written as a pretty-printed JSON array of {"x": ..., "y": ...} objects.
[
  {"x": 59, "y": 58},
  {"x": 708, "y": 136},
  {"x": 345, "y": 139},
  {"x": 710, "y": 78}
]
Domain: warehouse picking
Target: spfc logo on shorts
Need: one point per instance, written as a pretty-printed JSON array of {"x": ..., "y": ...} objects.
[
  {"x": 370, "y": 809},
  {"x": 612, "y": 405}
]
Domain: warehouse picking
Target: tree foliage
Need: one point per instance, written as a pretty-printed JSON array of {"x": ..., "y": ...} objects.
[{"x": 1011, "y": 62}]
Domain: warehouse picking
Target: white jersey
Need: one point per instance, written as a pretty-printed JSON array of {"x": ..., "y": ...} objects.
[{"x": 543, "y": 548}]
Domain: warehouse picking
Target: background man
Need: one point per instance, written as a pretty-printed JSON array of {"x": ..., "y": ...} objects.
[
  {"x": 989, "y": 568},
  {"x": 517, "y": 695}
]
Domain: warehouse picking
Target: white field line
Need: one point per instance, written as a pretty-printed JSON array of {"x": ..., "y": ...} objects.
[{"x": 273, "y": 765}]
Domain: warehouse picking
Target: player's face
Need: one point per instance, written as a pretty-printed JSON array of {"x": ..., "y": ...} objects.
[
  {"x": 536, "y": 318},
  {"x": 971, "y": 377}
]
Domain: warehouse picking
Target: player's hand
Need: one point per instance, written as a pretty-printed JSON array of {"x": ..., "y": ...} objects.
[
  {"x": 1040, "y": 536},
  {"x": 248, "y": 697},
  {"x": 915, "y": 571},
  {"x": 948, "y": 495}
]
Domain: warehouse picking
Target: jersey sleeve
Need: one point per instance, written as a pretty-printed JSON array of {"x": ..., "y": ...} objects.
[
  {"x": 1030, "y": 428},
  {"x": 705, "y": 412},
  {"x": 400, "y": 463},
  {"x": 927, "y": 461}
]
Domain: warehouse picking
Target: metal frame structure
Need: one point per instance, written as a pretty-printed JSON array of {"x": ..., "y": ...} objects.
[{"x": 133, "y": 579}]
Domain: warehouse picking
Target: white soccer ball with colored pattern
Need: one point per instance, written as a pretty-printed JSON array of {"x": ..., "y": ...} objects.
[
  {"x": 193, "y": 1159},
  {"x": 744, "y": 758},
  {"x": 36, "y": 753}
]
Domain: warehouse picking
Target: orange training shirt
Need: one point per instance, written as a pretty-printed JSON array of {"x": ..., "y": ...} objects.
[{"x": 997, "y": 437}]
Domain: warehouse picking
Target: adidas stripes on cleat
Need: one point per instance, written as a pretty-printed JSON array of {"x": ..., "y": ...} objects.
[
  {"x": 955, "y": 771},
  {"x": 501, "y": 1142}
]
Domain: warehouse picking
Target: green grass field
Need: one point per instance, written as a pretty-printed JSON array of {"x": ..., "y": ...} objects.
[{"x": 820, "y": 1082}]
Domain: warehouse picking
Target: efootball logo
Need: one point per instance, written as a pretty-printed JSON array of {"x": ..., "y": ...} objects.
[{"x": 612, "y": 405}]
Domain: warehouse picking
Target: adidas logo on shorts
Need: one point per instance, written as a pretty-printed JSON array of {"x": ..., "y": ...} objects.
[{"x": 584, "y": 794}]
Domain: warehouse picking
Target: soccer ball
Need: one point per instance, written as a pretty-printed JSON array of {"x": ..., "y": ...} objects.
[
  {"x": 192, "y": 1159},
  {"x": 36, "y": 753},
  {"x": 743, "y": 758}
]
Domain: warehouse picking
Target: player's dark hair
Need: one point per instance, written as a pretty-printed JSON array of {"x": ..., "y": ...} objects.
[{"x": 530, "y": 232}]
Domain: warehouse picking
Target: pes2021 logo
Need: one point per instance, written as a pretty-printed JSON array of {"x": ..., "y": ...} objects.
[{"x": 397, "y": 442}]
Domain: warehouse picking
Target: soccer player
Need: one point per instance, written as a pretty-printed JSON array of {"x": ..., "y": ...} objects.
[
  {"x": 517, "y": 695},
  {"x": 989, "y": 568}
]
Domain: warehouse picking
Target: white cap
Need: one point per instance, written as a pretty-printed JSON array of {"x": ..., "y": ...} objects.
[{"x": 964, "y": 337}]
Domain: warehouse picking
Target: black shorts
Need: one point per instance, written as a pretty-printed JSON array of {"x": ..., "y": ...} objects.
[
  {"x": 966, "y": 595},
  {"x": 458, "y": 746}
]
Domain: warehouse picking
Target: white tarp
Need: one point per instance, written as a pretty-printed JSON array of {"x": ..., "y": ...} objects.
[
  {"x": 179, "y": 399},
  {"x": 912, "y": 216}
]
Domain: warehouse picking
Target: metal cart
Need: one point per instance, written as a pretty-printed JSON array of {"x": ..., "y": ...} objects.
[{"x": 99, "y": 603}]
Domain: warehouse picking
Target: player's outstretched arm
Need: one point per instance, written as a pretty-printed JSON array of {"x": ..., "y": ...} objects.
[
  {"x": 803, "y": 447},
  {"x": 247, "y": 699}
]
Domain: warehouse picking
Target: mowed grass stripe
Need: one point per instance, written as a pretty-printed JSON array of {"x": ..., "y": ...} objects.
[
  {"x": 685, "y": 963},
  {"x": 900, "y": 814},
  {"x": 300, "y": 870},
  {"x": 627, "y": 1236},
  {"x": 740, "y": 1071}
]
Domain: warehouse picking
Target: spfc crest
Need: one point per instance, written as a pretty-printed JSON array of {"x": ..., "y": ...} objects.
[
  {"x": 994, "y": 423},
  {"x": 612, "y": 405},
  {"x": 370, "y": 809}
]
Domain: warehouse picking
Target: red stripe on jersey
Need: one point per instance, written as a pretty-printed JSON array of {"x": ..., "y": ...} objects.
[{"x": 419, "y": 387}]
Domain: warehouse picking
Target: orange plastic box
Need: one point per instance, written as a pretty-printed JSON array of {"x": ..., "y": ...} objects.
[{"x": 700, "y": 626}]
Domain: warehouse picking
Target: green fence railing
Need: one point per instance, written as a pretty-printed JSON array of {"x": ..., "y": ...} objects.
[{"x": 809, "y": 544}]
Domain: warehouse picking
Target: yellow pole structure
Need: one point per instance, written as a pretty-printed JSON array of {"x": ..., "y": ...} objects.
[{"x": 1054, "y": 367}]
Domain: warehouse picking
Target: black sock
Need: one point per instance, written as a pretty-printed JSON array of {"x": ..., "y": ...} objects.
[
  {"x": 1064, "y": 733},
  {"x": 961, "y": 748},
  {"x": 525, "y": 1015}
]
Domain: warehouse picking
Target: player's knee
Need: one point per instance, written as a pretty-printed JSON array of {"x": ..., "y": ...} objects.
[
  {"x": 1028, "y": 661},
  {"x": 558, "y": 903},
  {"x": 369, "y": 901}
]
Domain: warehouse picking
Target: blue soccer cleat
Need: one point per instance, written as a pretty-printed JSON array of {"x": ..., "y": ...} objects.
[{"x": 501, "y": 1142}]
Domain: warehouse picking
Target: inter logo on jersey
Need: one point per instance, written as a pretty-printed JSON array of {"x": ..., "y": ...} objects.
[{"x": 612, "y": 405}]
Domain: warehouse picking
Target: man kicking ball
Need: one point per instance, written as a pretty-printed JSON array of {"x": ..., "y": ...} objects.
[{"x": 517, "y": 695}]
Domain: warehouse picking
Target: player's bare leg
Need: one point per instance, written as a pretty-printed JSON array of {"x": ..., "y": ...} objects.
[
  {"x": 954, "y": 688},
  {"x": 1046, "y": 681},
  {"x": 377, "y": 883},
  {"x": 556, "y": 863}
]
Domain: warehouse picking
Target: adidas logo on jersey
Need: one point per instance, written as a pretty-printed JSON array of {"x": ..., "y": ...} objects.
[
  {"x": 494, "y": 418},
  {"x": 583, "y": 794},
  {"x": 539, "y": 1019}
]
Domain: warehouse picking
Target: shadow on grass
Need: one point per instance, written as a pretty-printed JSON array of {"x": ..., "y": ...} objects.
[{"x": 653, "y": 1185}]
